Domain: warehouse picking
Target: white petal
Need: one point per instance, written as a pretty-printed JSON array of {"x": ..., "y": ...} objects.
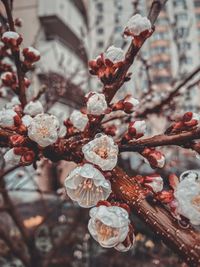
[
  {"x": 114, "y": 54},
  {"x": 79, "y": 120},
  {"x": 96, "y": 104},
  {"x": 33, "y": 108}
]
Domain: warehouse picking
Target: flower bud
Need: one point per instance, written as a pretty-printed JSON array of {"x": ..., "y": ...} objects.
[
  {"x": 31, "y": 54},
  {"x": 12, "y": 39},
  {"x": 130, "y": 103},
  {"x": 17, "y": 139},
  {"x": 154, "y": 182},
  {"x": 155, "y": 158},
  {"x": 137, "y": 128},
  {"x": 9, "y": 79}
]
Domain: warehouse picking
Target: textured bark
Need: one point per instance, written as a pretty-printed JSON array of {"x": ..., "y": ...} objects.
[{"x": 185, "y": 242}]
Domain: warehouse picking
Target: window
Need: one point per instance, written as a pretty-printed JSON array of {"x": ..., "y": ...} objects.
[
  {"x": 162, "y": 21},
  {"x": 181, "y": 3},
  {"x": 99, "y": 7},
  {"x": 118, "y": 29},
  {"x": 100, "y": 44},
  {"x": 186, "y": 60},
  {"x": 162, "y": 65},
  {"x": 182, "y": 32},
  {"x": 198, "y": 16},
  {"x": 197, "y": 3},
  {"x": 160, "y": 50},
  {"x": 160, "y": 79},
  {"x": 181, "y": 17},
  {"x": 100, "y": 30},
  {"x": 184, "y": 46},
  {"x": 99, "y": 19},
  {"x": 117, "y": 16},
  {"x": 160, "y": 35}
]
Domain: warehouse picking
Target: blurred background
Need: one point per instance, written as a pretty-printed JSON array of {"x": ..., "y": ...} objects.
[{"x": 68, "y": 33}]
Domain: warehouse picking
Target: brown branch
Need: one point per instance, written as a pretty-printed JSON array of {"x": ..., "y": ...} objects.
[
  {"x": 14, "y": 213},
  {"x": 158, "y": 108},
  {"x": 16, "y": 56},
  {"x": 185, "y": 242},
  {"x": 119, "y": 79},
  {"x": 162, "y": 140},
  {"x": 15, "y": 250}
]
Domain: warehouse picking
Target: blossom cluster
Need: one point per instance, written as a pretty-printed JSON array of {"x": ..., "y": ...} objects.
[{"x": 90, "y": 183}]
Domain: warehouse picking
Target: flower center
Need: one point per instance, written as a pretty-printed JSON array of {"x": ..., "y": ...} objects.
[
  {"x": 105, "y": 232},
  {"x": 196, "y": 202},
  {"x": 43, "y": 131},
  {"x": 102, "y": 152}
]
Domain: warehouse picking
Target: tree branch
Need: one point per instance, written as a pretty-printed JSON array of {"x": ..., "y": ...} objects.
[
  {"x": 157, "y": 108},
  {"x": 16, "y": 56},
  {"x": 185, "y": 242},
  {"x": 161, "y": 140}
]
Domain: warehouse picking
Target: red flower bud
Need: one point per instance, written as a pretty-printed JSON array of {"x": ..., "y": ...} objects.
[{"x": 17, "y": 139}]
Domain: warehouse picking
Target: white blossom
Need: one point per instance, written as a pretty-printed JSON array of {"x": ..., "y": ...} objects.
[
  {"x": 32, "y": 50},
  {"x": 44, "y": 129},
  {"x": 114, "y": 54},
  {"x": 10, "y": 35},
  {"x": 140, "y": 126},
  {"x": 101, "y": 151},
  {"x": 87, "y": 185},
  {"x": 187, "y": 195},
  {"x": 26, "y": 120},
  {"x": 11, "y": 159},
  {"x": 109, "y": 225},
  {"x": 138, "y": 24},
  {"x": 79, "y": 120},
  {"x": 14, "y": 102},
  {"x": 96, "y": 104},
  {"x": 33, "y": 108},
  {"x": 7, "y": 118}
]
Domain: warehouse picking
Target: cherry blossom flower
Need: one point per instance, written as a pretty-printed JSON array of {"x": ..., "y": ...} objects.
[
  {"x": 96, "y": 104},
  {"x": 154, "y": 182},
  {"x": 87, "y": 185},
  {"x": 101, "y": 151},
  {"x": 105, "y": 65},
  {"x": 137, "y": 25},
  {"x": 8, "y": 118},
  {"x": 44, "y": 129},
  {"x": 33, "y": 108},
  {"x": 11, "y": 159},
  {"x": 187, "y": 195},
  {"x": 79, "y": 120},
  {"x": 114, "y": 54},
  {"x": 12, "y": 39},
  {"x": 109, "y": 225}
]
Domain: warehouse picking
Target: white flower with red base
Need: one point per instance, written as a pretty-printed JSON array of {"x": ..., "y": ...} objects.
[
  {"x": 101, "y": 151},
  {"x": 44, "y": 129},
  {"x": 87, "y": 186}
]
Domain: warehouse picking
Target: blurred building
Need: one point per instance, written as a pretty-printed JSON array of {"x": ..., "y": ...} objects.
[
  {"x": 57, "y": 30},
  {"x": 172, "y": 51}
]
